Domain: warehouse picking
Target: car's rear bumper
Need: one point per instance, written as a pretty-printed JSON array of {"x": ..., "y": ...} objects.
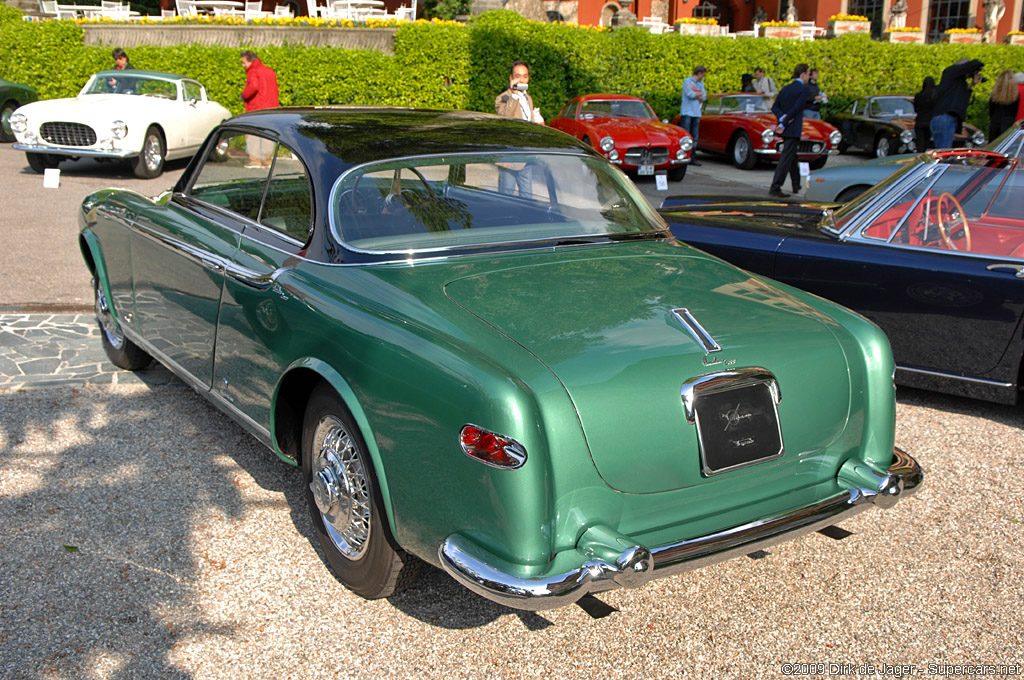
[
  {"x": 603, "y": 559},
  {"x": 75, "y": 151}
]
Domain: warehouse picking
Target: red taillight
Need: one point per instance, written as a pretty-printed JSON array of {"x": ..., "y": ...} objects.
[{"x": 490, "y": 448}]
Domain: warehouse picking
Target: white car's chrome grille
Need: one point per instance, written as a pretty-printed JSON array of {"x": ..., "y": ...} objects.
[{"x": 68, "y": 134}]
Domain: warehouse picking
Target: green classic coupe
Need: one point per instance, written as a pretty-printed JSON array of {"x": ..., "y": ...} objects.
[
  {"x": 485, "y": 351},
  {"x": 12, "y": 95}
]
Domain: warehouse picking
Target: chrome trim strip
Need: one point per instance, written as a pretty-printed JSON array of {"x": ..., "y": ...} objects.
[
  {"x": 960, "y": 378},
  {"x": 73, "y": 151},
  {"x": 476, "y": 569},
  {"x": 699, "y": 333}
]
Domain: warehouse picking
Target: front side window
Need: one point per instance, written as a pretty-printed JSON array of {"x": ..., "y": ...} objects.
[
  {"x": 432, "y": 203},
  {"x": 193, "y": 91},
  {"x": 627, "y": 108},
  {"x": 234, "y": 176}
]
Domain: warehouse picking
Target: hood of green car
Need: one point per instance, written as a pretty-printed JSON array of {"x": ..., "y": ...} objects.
[{"x": 605, "y": 327}]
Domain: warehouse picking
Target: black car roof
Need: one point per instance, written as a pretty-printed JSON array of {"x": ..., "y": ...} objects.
[{"x": 356, "y": 135}]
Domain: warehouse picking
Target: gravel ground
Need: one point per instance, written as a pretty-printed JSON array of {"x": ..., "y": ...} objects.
[{"x": 146, "y": 536}]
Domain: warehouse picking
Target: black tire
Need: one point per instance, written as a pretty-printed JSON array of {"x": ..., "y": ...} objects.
[
  {"x": 742, "y": 151},
  {"x": 345, "y": 503},
  {"x": 851, "y": 193},
  {"x": 41, "y": 162},
  {"x": 843, "y": 146},
  {"x": 883, "y": 146},
  {"x": 6, "y": 111},
  {"x": 121, "y": 351},
  {"x": 586, "y": 140},
  {"x": 677, "y": 174},
  {"x": 818, "y": 163},
  {"x": 150, "y": 161}
]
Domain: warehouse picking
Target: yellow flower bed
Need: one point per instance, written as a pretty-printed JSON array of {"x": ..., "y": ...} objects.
[
  {"x": 791, "y": 24},
  {"x": 265, "y": 21},
  {"x": 963, "y": 30},
  {"x": 692, "y": 20},
  {"x": 847, "y": 17},
  {"x": 905, "y": 29}
]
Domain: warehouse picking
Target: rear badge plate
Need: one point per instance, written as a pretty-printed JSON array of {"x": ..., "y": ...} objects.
[{"x": 737, "y": 419}]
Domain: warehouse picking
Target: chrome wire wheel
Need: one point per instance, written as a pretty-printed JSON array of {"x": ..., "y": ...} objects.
[
  {"x": 112, "y": 332},
  {"x": 152, "y": 153},
  {"x": 340, "y": 488},
  {"x": 741, "y": 150},
  {"x": 882, "y": 147}
]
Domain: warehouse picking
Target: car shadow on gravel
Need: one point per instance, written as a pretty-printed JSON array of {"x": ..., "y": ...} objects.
[{"x": 102, "y": 493}]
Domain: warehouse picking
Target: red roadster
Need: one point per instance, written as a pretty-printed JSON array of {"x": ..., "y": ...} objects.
[
  {"x": 626, "y": 132},
  {"x": 742, "y": 126}
]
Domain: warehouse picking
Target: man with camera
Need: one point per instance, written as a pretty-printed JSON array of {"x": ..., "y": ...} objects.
[
  {"x": 516, "y": 103},
  {"x": 951, "y": 99}
]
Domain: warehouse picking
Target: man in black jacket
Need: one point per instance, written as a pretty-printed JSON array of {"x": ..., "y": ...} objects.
[
  {"x": 951, "y": 100},
  {"x": 789, "y": 111}
]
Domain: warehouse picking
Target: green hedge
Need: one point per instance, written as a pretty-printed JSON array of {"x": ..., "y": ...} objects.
[{"x": 464, "y": 67}]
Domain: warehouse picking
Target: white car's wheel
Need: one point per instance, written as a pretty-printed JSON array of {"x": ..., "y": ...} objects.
[{"x": 150, "y": 163}]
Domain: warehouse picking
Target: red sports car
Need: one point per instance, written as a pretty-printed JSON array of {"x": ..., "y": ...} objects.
[
  {"x": 626, "y": 132},
  {"x": 742, "y": 126}
]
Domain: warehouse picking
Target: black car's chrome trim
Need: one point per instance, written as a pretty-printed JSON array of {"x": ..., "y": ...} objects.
[
  {"x": 698, "y": 331},
  {"x": 1018, "y": 267},
  {"x": 959, "y": 378},
  {"x": 608, "y": 560}
]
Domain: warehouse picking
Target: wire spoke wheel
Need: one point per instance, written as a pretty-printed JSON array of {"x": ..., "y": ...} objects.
[{"x": 340, "y": 488}]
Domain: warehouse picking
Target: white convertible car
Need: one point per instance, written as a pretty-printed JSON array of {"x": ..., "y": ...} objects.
[{"x": 141, "y": 116}]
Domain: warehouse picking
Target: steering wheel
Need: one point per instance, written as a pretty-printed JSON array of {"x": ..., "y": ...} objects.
[
  {"x": 955, "y": 217},
  {"x": 399, "y": 196}
]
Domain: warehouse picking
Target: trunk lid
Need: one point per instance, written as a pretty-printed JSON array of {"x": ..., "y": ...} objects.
[{"x": 604, "y": 325}]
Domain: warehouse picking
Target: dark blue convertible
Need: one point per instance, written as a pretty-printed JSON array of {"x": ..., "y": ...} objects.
[{"x": 934, "y": 255}]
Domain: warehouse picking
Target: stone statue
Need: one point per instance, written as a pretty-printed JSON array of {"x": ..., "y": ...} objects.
[
  {"x": 994, "y": 11},
  {"x": 759, "y": 17},
  {"x": 898, "y": 14},
  {"x": 791, "y": 12}
]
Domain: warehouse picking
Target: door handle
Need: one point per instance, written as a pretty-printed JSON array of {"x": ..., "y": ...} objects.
[
  {"x": 252, "y": 278},
  {"x": 1019, "y": 268}
]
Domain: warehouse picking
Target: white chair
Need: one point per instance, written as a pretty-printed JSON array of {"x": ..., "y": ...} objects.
[
  {"x": 254, "y": 9},
  {"x": 808, "y": 31},
  {"x": 186, "y": 8},
  {"x": 166, "y": 14},
  {"x": 404, "y": 13},
  {"x": 48, "y": 8},
  {"x": 283, "y": 11}
]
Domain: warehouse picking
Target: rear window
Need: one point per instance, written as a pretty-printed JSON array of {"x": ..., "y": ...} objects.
[{"x": 431, "y": 203}]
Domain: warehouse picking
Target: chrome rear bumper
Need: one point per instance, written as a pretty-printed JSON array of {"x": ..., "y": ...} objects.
[{"x": 607, "y": 560}]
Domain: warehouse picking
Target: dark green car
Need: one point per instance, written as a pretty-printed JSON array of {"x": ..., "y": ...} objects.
[
  {"x": 12, "y": 95},
  {"x": 485, "y": 351}
]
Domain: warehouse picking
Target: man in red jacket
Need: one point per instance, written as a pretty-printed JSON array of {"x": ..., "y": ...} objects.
[{"x": 260, "y": 93}]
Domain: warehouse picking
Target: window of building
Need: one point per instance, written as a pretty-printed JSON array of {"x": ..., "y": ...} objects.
[
  {"x": 945, "y": 14},
  {"x": 872, "y": 9}
]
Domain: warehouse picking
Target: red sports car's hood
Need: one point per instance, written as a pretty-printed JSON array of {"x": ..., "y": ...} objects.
[{"x": 635, "y": 131}]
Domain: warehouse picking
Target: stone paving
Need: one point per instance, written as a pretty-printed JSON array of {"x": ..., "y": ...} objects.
[{"x": 47, "y": 350}]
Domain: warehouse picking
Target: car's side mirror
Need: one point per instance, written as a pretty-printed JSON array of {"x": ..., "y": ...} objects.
[
  {"x": 193, "y": 102},
  {"x": 664, "y": 120}
]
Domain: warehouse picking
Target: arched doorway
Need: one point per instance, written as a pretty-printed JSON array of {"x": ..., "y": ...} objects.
[{"x": 607, "y": 12}]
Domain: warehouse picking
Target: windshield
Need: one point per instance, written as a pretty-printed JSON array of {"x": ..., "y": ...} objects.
[
  {"x": 431, "y": 203},
  {"x": 1010, "y": 142},
  {"x": 629, "y": 108},
  {"x": 121, "y": 82},
  {"x": 849, "y": 211},
  {"x": 888, "y": 107}
]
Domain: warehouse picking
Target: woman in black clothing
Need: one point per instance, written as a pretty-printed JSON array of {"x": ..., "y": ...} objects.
[
  {"x": 747, "y": 83},
  {"x": 924, "y": 104},
  {"x": 1002, "y": 106}
]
